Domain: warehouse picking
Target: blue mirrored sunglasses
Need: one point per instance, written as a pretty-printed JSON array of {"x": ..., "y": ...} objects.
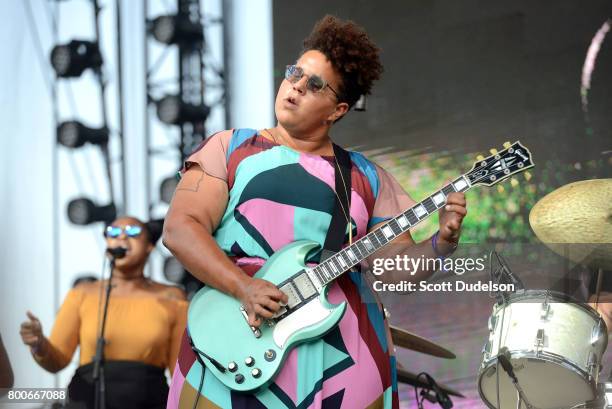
[{"x": 115, "y": 231}]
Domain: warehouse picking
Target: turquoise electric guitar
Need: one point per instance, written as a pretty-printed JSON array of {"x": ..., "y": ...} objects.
[{"x": 245, "y": 358}]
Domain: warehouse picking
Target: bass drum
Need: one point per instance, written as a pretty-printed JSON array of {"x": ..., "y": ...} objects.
[{"x": 555, "y": 346}]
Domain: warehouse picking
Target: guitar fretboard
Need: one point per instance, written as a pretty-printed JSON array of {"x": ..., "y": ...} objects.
[{"x": 345, "y": 259}]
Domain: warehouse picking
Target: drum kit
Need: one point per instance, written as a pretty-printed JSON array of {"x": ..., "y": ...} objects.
[{"x": 545, "y": 349}]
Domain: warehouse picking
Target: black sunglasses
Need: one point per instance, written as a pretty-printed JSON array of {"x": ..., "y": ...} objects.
[{"x": 316, "y": 84}]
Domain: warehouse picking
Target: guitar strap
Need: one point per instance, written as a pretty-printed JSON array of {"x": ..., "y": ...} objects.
[{"x": 337, "y": 227}]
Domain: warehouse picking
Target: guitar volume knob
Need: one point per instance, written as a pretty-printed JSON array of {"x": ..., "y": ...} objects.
[
  {"x": 249, "y": 361},
  {"x": 256, "y": 372},
  {"x": 232, "y": 366},
  {"x": 269, "y": 355}
]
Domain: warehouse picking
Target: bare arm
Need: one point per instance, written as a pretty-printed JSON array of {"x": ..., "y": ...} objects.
[
  {"x": 6, "y": 372},
  {"x": 604, "y": 308},
  {"x": 47, "y": 355},
  {"x": 195, "y": 212}
]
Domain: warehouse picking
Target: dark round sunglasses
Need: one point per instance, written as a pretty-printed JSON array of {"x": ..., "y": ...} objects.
[
  {"x": 115, "y": 231},
  {"x": 314, "y": 83}
]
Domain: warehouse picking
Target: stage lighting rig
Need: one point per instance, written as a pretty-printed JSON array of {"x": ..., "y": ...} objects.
[
  {"x": 70, "y": 60},
  {"x": 73, "y": 134},
  {"x": 171, "y": 110},
  {"x": 167, "y": 188},
  {"x": 173, "y": 270},
  {"x": 177, "y": 29},
  {"x": 176, "y": 273},
  {"x": 83, "y": 211}
]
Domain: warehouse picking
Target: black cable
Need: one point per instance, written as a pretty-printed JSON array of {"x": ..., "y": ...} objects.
[
  {"x": 416, "y": 397},
  {"x": 195, "y": 403},
  {"x": 216, "y": 363},
  {"x": 441, "y": 397}
]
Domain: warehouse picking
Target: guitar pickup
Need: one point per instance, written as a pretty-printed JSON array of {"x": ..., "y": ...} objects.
[
  {"x": 304, "y": 286},
  {"x": 292, "y": 294}
]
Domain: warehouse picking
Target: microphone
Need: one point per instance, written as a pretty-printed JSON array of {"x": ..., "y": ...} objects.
[
  {"x": 504, "y": 359},
  {"x": 116, "y": 252}
]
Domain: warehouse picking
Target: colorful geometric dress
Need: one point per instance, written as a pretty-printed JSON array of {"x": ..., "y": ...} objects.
[{"x": 276, "y": 196}]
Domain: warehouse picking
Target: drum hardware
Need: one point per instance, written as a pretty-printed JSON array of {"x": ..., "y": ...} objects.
[
  {"x": 545, "y": 310},
  {"x": 540, "y": 338},
  {"x": 431, "y": 390},
  {"x": 597, "y": 335},
  {"x": 492, "y": 324},
  {"x": 593, "y": 366},
  {"x": 404, "y": 339},
  {"x": 409, "y": 378},
  {"x": 486, "y": 350}
]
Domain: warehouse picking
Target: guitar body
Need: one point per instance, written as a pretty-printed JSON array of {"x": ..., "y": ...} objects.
[{"x": 218, "y": 328}]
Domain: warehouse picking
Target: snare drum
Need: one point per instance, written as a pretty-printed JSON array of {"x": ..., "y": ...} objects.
[{"x": 555, "y": 345}]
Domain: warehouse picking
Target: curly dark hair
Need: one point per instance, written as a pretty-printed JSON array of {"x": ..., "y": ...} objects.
[{"x": 351, "y": 52}]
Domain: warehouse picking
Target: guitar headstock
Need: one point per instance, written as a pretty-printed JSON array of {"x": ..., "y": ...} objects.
[{"x": 515, "y": 158}]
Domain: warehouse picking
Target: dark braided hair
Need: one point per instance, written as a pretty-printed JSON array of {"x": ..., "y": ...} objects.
[{"x": 350, "y": 51}]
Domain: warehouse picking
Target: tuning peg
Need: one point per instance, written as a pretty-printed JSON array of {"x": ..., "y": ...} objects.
[
  {"x": 493, "y": 151},
  {"x": 514, "y": 182},
  {"x": 500, "y": 189},
  {"x": 507, "y": 145},
  {"x": 527, "y": 176},
  {"x": 480, "y": 158}
]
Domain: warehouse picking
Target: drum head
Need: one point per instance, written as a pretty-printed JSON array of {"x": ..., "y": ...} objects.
[{"x": 546, "y": 385}]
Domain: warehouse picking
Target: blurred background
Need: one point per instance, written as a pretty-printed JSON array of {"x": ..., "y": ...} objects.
[{"x": 101, "y": 100}]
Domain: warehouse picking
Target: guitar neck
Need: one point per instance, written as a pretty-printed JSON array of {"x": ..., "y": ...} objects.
[{"x": 334, "y": 266}]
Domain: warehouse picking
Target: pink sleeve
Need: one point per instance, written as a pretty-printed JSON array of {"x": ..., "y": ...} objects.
[
  {"x": 391, "y": 199},
  {"x": 211, "y": 155}
]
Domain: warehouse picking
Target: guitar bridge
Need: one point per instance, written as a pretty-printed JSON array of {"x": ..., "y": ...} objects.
[{"x": 256, "y": 331}]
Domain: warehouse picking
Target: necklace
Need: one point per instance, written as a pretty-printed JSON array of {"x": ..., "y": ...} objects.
[{"x": 272, "y": 135}]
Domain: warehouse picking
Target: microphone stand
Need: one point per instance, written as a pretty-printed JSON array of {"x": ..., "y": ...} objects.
[{"x": 98, "y": 369}]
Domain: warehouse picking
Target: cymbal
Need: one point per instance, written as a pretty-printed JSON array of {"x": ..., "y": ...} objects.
[
  {"x": 404, "y": 339},
  {"x": 407, "y": 377},
  {"x": 577, "y": 213}
]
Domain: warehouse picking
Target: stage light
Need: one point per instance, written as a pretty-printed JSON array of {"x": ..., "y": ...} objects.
[
  {"x": 156, "y": 228},
  {"x": 70, "y": 60},
  {"x": 84, "y": 278},
  {"x": 83, "y": 211},
  {"x": 176, "y": 273},
  {"x": 176, "y": 29},
  {"x": 171, "y": 110},
  {"x": 167, "y": 188},
  {"x": 174, "y": 270},
  {"x": 73, "y": 134}
]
